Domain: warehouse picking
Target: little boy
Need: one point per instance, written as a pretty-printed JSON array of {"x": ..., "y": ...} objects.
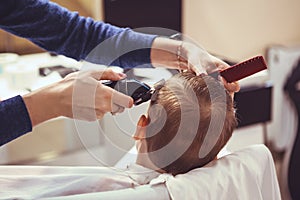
[{"x": 189, "y": 120}]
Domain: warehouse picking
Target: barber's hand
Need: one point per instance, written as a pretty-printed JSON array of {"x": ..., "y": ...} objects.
[
  {"x": 79, "y": 95},
  {"x": 164, "y": 53},
  {"x": 230, "y": 87},
  {"x": 198, "y": 60}
]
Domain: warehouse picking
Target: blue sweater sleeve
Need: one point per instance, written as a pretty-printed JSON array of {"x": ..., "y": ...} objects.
[
  {"x": 56, "y": 29},
  {"x": 14, "y": 119}
]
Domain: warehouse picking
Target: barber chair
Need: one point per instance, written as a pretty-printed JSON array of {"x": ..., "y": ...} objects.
[{"x": 292, "y": 88}]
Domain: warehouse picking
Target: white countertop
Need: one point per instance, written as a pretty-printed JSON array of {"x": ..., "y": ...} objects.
[{"x": 10, "y": 87}]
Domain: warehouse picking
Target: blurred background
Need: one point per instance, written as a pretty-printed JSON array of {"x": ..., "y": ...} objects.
[
  {"x": 232, "y": 30},
  {"x": 235, "y": 29}
]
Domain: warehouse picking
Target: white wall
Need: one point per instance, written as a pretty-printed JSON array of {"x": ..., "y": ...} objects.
[
  {"x": 240, "y": 29},
  {"x": 236, "y": 29}
]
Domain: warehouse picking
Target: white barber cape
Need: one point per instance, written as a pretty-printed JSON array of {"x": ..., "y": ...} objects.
[
  {"x": 246, "y": 174},
  {"x": 35, "y": 182}
]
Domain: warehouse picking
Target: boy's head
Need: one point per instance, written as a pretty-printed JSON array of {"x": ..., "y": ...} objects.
[{"x": 190, "y": 119}]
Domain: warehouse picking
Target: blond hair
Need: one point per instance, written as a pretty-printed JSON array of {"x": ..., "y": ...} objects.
[{"x": 190, "y": 114}]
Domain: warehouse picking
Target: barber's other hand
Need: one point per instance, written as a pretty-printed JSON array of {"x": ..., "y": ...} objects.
[
  {"x": 79, "y": 95},
  {"x": 164, "y": 53}
]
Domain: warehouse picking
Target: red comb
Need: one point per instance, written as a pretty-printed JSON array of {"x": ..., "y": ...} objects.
[{"x": 244, "y": 69}]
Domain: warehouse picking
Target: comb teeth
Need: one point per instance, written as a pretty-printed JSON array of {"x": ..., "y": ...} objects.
[{"x": 244, "y": 69}]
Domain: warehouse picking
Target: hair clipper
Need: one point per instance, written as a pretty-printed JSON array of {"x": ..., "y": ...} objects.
[{"x": 139, "y": 91}]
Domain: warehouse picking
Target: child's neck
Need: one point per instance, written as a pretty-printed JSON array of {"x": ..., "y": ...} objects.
[{"x": 144, "y": 160}]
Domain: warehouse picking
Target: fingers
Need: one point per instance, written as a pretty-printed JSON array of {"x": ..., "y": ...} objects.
[
  {"x": 190, "y": 57},
  {"x": 220, "y": 64},
  {"x": 116, "y": 102},
  {"x": 117, "y": 109},
  {"x": 231, "y": 87},
  {"x": 107, "y": 74},
  {"x": 110, "y": 100},
  {"x": 198, "y": 69},
  {"x": 121, "y": 99},
  {"x": 117, "y": 98}
]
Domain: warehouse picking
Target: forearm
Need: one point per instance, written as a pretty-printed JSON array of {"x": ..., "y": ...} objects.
[
  {"x": 19, "y": 114},
  {"x": 57, "y": 29},
  {"x": 14, "y": 119}
]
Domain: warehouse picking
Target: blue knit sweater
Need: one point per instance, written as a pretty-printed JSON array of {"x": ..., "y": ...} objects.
[{"x": 56, "y": 29}]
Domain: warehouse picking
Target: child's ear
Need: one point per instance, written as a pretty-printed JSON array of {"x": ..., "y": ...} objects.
[{"x": 140, "y": 132}]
